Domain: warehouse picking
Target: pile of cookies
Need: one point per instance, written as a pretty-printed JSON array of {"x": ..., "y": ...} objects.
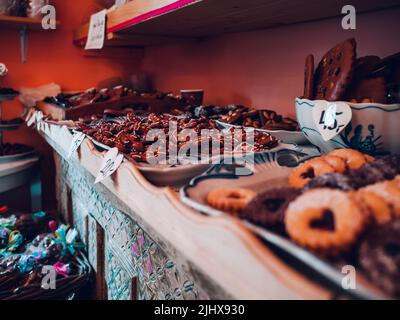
[
  {"x": 334, "y": 205},
  {"x": 342, "y": 76}
]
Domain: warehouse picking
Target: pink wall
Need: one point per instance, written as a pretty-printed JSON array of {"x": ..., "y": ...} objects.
[{"x": 264, "y": 68}]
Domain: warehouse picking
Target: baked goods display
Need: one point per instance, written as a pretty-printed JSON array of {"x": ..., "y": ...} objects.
[
  {"x": 259, "y": 119},
  {"x": 343, "y": 76},
  {"x": 30, "y": 241},
  {"x": 334, "y": 206},
  {"x": 129, "y": 134}
]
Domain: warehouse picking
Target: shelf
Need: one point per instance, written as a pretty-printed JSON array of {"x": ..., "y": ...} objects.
[
  {"x": 151, "y": 22},
  {"x": 11, "y": 22}
]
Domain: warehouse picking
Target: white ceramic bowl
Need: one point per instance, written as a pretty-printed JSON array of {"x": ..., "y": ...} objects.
[{"x": 374, "y": 128}]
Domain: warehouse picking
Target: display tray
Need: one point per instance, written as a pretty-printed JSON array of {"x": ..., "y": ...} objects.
[
  {"x": 285, "y": 136},
  {"x": 175, "y": 175},
  {"x": 270, "y": 170},
  {"x": 58, "y": 113}
]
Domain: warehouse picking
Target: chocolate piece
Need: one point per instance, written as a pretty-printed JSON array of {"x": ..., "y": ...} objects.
[
  {"x": 334, "y": 72},
  {"x": 309, "y": 78},
  {"x": 379, "y": 256},
  {"x": 268, "y": 208}
]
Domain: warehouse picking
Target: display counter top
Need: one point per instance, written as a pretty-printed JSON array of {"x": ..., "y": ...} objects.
[{"x": 224, "y": 256}]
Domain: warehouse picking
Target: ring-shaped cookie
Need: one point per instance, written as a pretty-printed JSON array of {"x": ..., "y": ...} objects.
[
  {"x": 302, "y": 175},
  {"x": 324, "y": 220},
  {"x": 230, "y": 200}
]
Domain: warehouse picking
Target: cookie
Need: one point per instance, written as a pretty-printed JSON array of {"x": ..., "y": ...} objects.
[
  {"x": 304, "y": 173},
  {"x": 354, "y": 159},
  {"x": 376, "y": 208},
  {"x": 309, "y": 78},
  {"x": 334, "y": 72},
  {"x": 379, "y": 257},
  {"x": 268, "y": 208},
  {"x": 331, "y": 181},
  {"x": 328, "y": 221},
  {"x": 374, "y": 90},
  {"x": 230, "y": 200}
]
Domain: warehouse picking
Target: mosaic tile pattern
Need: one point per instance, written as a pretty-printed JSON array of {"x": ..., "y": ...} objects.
[{"x": 131, "y": 256}]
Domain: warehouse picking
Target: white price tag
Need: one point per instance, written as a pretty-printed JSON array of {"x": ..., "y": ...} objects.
[
  {"x": 110, "y": 164},
  {"x": 76, "y": 142},
  {"x": 97, "y": 30},
  {"x": 120, "y": 3},
  {"x": 31, "y": 121},
  {"x": 39, "y": 119},
  {"x": 331, "y": 118}
]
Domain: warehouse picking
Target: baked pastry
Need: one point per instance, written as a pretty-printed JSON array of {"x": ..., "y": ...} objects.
[
  {"x": 328, "y": 221},
  {"x": 334, "y": 72},
  {"x": 379, "y": 257},
  {"x": 230, "y": 200},
  {"x": 304, "y": 173},
  {"x": 309, "y": 78},
  {"x": 267, "y": 209}
]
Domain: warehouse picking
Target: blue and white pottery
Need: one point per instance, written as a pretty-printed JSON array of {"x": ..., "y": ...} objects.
[{"x": 374, "y": 128}]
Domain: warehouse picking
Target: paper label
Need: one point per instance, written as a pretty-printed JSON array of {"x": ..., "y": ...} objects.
[
  {"x": 120, "y": 3},
  {"x": 110, "y": 164},
  {"x": 331, "y": 118},
  {"x": 31, "y": 121},
  {"x": 97, "y": 31},
  {"x": 76, "y": 142}
]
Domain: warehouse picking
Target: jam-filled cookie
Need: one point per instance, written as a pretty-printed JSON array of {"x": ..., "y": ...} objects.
[
  {"x": 389, "y": 191},
  {"x": 337, "y": 163},
  {"x": 354, "y": 159},
  {"x": 304, "y": 173},
  {"x": 230, "y": 200},
  {"x": 376, "y": 208},
  {"x": 324, "y": 220}
]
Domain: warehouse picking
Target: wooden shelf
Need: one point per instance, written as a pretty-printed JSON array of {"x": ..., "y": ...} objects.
[
  {"x": 151, "y": 22},
  {"x": 11, "y": 22}
]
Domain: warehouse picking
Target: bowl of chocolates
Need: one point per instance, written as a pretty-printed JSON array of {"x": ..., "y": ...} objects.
[
  {"x": 368, "y": 87},
  {"x": 283, "y": 128}
]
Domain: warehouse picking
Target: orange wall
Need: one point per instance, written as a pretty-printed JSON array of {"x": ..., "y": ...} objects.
[
  {"x": 53, "y": 58},
  {"x": 264, "y": 68}
]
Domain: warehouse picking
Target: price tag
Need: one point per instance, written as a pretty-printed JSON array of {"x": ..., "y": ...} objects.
[
  {"x": 76, "y": 142},
  {"x": 120, "y": 3},
  {"x": 32, "y": 119},
  {"x": 97, "y": 30},
  {"x": 331, "y": 118},
  {"x": 110, "y": 164},
  {"x": 39, "y": 119}
]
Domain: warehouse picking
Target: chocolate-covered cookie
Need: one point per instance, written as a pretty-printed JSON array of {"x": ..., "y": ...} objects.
[
  {"x": 379, "y": 256},
  {"x": 331, "y": 181},
  {"x": 334, "y": 71},
  {"x": 309, "y": 78},
  {"x": 268, "y": 208}
]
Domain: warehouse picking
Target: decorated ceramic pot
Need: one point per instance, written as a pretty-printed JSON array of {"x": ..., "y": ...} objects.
[{"x": 374, "y": 128}]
